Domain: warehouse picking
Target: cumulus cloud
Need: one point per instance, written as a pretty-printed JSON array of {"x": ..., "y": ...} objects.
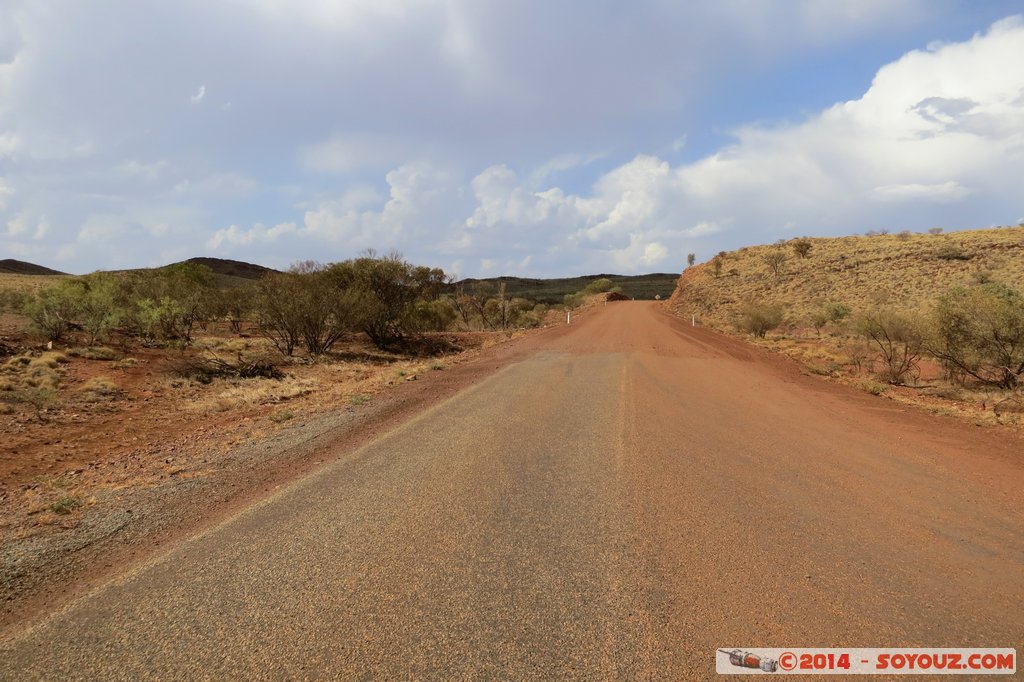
[
  {"x": 905, "y": 145},
  {"x": 430, "y": 126},
  {"x": 236, "y": 236},
  {"x": 348, "y": 152},
  {"x": 6, "y": 192},
  {"x": 947, "y": 191}
]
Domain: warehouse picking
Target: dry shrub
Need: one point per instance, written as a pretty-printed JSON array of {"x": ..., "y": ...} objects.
[
  {"x": 250, "y": 394},
  {"x": 898, "y": 337},
  {"x": 205, "y": 370},
  {"x": 51, "y": 359},
  {"x": 872, "y": 387},
  {"x": 760, "y": 318},
  {"x": 100, "y": 389},
  {"x": 125, "y": 364},
  {"x": 94, "y": 353}
]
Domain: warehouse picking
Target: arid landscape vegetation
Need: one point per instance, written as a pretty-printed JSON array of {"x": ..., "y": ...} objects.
[
  {"x": 139, "y": 407},
  {"x": 935, "y": 319},
  {"x": 121, "y": 390}
]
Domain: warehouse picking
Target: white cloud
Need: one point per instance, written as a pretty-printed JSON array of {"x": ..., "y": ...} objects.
[
  {"x": 225, "y": 185},
  {"x": 6, "y": 192},
  {"x": 236, "y": 236},
  {"x": 704, "y": 229},
  {"x": 16, "y": 226},
  {"x": 654, "y": 253},
  {"x": 562, "y": 163},
  {"x": 138, "y": 169},
  {"x": 9, "y": 143},
  {"x": 25, "y": 226},
  {"x": 42, "y": 229},
  {"x": 947, "y": 191},
  {"x": 440, "y": 127},
  {"x": 349, "y": 152}
]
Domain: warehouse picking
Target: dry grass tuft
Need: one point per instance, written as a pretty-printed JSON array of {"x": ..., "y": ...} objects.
[
  {"x": 100, "y": 389},
  {"x": 94, "y": 353},
  {"x": 254, "y": 392}
]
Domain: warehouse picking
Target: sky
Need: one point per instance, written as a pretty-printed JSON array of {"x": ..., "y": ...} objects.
[{"x": 530, "y": 138}]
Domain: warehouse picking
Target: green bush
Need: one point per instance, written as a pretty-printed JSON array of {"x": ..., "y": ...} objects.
[
  {"x": 829, "y": 312},
  {"x": 802, "y": 247},
  {"x": 433, "y": 316},
  {"x": 387, "y": 289},
  {"x": 598, "y": 286},
  {"x": 759, "y": 319},
  {"x": 12, "y": 301},
  {"x": 951, "y": 252},
  {"x": 97, "y": 304},
  {"x": 979, "y": 332},
  {"x": 52, "y": 311},
  {"x": 65, "y": 505},
  {"x": 573, "y": 301},
  {"x": 307, "y": 305}
]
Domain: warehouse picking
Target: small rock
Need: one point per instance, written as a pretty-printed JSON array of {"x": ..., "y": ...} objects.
[{"x": 411, "y": 377}]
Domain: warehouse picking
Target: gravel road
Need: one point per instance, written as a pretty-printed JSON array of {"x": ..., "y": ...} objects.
[{"x": 617, "y": 505}]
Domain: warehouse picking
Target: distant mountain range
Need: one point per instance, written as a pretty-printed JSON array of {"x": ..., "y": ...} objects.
[
  {"x": 220, "y": 266},
  {"x": 236, "y": 273},
  {"x": 554, "y": 290}
]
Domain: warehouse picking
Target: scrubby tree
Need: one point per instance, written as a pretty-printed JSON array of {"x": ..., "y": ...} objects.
[
  {"x": 829, "y": 312},
  {"x": 389, "y": 288},
  {"x": 277, "y": 317},
  {"x": 979, "y": 332},
  {"x": 691, "y": 258},
  {"x": 310, "y": 305},
  {"x": 776, "y": 262},
  {"x": 716, "y": 266},
  {"x": 760, "y": 318},
  {"x": 598, "y": 286},
  {"x": 325, "y": 306},
  {"x": 573, "y": 301},
  {"x": 168, "y": 302},
  {"x": 53, "y": 310},
  {"x": 97, "y": 300},
  {"x": 235, "y": 305},
  {"x": 434, "y": 316},
  {"x": 12, "y": 300},
  {"x": 802, "y": 247},
  {"x": 898, "y": 336}
]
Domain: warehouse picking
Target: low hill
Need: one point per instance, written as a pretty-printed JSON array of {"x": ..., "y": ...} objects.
[
  {"x": 232, "y": 268},
  {"x": 9, "y": 266},
  {"x": 554, "y": 290},
  {"x": 908, "y": 270}
]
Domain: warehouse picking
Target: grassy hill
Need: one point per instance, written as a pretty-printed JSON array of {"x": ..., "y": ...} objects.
[
  {"x": 905, "y": 270},
  {"x": 554, "y": 290},
  {"x": 20, "y": 277}
]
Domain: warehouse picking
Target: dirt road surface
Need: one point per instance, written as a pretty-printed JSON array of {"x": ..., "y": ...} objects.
[{"x": 628, "y": 498}]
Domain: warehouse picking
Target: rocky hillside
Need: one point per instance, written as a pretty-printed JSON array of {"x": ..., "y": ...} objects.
[{"x": 907, "y": 270}]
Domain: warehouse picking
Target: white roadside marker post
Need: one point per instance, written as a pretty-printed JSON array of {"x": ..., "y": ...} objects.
[
  {"x": 693, "y": 320},
  {"x": 568, "y": 316}
]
